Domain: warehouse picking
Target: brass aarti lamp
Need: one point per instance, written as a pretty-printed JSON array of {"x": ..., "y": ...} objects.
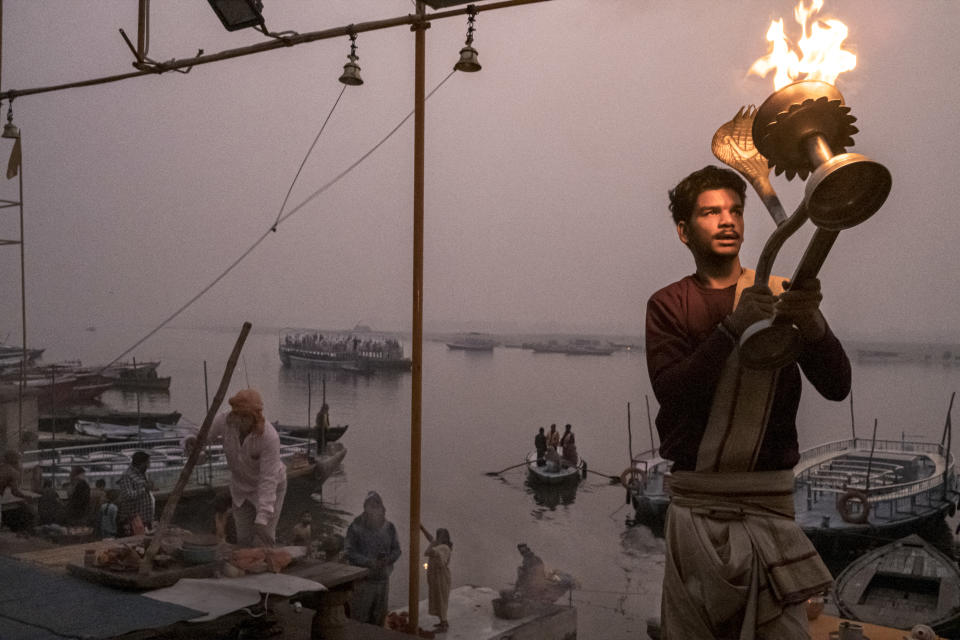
[{"x": 804, "y": 130}]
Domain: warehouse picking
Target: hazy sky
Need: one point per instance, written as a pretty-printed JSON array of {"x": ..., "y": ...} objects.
[{"x": 546, "y": 173}]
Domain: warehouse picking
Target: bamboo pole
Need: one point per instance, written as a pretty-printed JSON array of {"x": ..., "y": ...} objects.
[
  {"x": 277, "y": 43},
  {"x": 146, "y": 565},
  {"x": 413, "y": 593}
]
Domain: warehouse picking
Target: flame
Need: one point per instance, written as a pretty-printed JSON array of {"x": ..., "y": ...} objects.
[{"x": 821, "y": 45}]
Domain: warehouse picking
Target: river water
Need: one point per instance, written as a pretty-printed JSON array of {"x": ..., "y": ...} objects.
[{"x": 480, "y": 413}]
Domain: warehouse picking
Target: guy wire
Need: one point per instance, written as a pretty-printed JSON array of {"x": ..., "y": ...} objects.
[{"x": 270, "y": 230}]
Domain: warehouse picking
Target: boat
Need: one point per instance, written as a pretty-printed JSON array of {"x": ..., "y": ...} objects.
[
  {"x": 107, "y": 431},
  {"x": 139, "y": 378},
  {"x": 566, "y": 473},
  {"x": 299, "y": 431},
  {"x": 902, "y": 584},
  {"x": 576, "y": 347},
  {"x": 64, "y": 418},
  {"x": 851, "y": 490},
  {"x": 472, "y": 341},
  {"x": 109, "y": 460},
  {"x": 647, "y": 483},
  {"x": 360, "y": 349}
]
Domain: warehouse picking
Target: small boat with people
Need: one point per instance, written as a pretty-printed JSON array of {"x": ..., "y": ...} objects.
[
  {"x": 547, "y": 474},
  {"x": 900, "y": 585}
]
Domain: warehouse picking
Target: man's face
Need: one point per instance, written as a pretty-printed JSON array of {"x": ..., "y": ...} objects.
[{"x": 715, "y": 229}]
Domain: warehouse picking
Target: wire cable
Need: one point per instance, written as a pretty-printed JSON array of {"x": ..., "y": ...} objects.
[
  {"x": 272, "y": 229},
  {"x": 309, "y": 151}
]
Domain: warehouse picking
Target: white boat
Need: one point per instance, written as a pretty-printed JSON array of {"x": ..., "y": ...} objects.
[
  {"x": 108, "y": 431},
  {"x": 647, "y": 481},
  {"x": 109, "y": 460}
]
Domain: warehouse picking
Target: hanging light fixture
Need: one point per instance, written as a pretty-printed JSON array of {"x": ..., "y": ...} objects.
[
  {"x": 468, "y": 55},
  {"x": 10, "y": 130},
  {"x": 351, "y": 70}
]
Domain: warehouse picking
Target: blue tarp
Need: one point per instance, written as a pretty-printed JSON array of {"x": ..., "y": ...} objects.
[{"x": 37, "y": 603}]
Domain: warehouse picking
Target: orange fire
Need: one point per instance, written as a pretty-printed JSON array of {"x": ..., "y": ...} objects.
[{"x": 821, "y": 45}]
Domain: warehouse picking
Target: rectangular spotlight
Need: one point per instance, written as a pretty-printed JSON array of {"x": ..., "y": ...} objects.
[{"x": 238, "y": 14}]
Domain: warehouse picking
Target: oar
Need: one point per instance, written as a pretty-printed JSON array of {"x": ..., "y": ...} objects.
[
  {"x": 612, "y": 479},
  {"x": 496, "y": 473}
]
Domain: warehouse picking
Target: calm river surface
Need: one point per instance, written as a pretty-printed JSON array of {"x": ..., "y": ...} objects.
[{"x": 480, "y": 413}]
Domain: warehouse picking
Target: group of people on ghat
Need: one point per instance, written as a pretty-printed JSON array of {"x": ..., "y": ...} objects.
[
  {"x": 55, "y": 510},
  {"x": 556, "y": 450}
]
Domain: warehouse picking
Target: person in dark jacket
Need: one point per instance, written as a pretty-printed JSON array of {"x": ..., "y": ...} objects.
[
  {"x": 540, "y": 443},
  {"x": 372, "y": 543}
]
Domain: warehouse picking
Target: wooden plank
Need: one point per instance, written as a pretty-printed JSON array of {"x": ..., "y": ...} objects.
[{"x": 134, "y": 580}]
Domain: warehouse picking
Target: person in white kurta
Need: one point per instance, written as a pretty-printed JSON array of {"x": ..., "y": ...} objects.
[{"x": 258, "y": 477}]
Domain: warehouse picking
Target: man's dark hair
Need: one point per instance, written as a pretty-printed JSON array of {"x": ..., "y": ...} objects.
[
  {"x": 683, "y": 197},
  {"x": 141, "y": 457}
]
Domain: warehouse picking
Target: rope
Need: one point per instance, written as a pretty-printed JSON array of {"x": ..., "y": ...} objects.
[
  {"x": 272, "y": 229},
  {"x": 309, "y": 151}
]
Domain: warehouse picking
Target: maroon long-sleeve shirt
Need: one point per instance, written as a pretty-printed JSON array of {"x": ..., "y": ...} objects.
[{"x": 686, "y": 350}]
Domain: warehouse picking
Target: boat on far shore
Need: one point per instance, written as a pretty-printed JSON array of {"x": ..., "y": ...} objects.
[
  {"x": 472, "y": 341},
  {"x": 575, "y": 347}
]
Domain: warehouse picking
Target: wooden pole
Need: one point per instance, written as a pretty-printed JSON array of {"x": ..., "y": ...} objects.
[
  {"x": 146, "y": 565},
  {"x": 413, "y": 593},
  {"x": 309, "y": 417},
  {"x": 629, "y": 437}
]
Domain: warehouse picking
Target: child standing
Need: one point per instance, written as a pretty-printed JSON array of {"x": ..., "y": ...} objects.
[{"x": 108, "y": 514}]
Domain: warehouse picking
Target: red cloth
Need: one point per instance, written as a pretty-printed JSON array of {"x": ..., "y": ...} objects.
[{"x": 686, "y": 350}]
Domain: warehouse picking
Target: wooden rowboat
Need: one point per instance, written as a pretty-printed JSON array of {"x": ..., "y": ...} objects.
[{"x": 902, "y": 584}]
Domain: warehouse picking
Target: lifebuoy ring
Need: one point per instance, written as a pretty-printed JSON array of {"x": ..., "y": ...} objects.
[
  {"x": 843, "y": 506},
  {"x": 633, "y": 477}
]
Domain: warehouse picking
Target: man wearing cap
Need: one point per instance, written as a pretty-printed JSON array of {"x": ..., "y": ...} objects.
[
  {"x": 372, "y": 543},
  {"x": 258, "y": 477}
]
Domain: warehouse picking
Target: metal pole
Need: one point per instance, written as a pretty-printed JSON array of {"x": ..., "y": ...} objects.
[
  {"x": 23, "y": 300},
  {"x": 413, "y": 595},
  {"x": 278, "y": 43}
]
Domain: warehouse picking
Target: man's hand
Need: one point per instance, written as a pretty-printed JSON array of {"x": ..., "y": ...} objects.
[
  {"x": 262, "y": 536},
  {"x": 800, "y": 304},
  {"x": 756, "y": 303}
]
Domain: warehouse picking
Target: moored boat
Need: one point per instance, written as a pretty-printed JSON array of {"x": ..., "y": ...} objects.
[
  {"x": 299, "y": 431},
  {"x": 849, "y": 489},
  {"x": 647, "y": 484},
  {"x": 109, "y": 460},
  {"x": 902, "y": 584},
  {"x": 566, "y": 473}
]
